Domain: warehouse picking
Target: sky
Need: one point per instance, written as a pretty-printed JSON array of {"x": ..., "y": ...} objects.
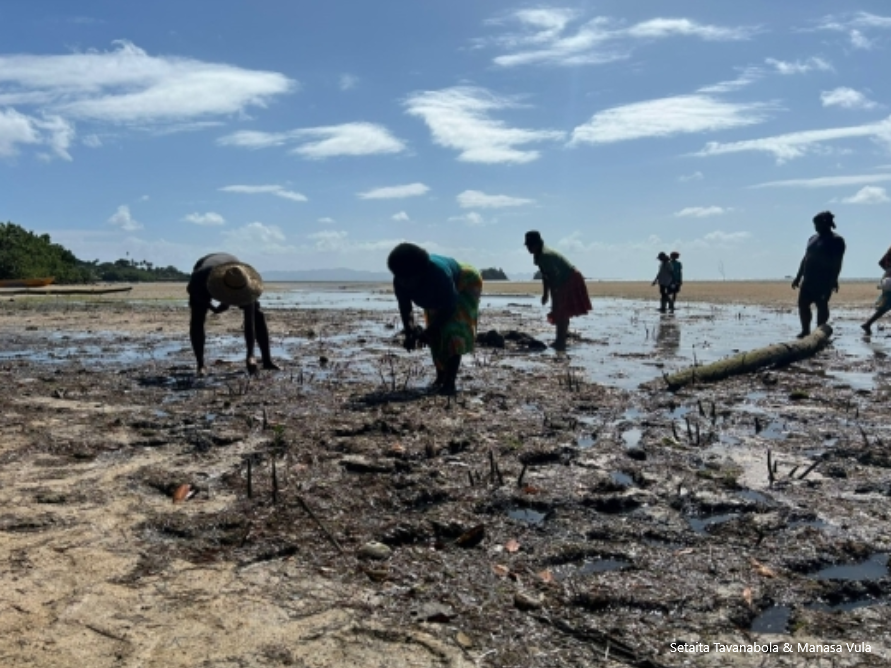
[{"x": 303, "y": 136}]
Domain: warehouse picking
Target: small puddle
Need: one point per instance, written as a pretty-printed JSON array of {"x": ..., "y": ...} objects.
[
  {"x": 602, "y": 566},
  {"x": 757, "y": 497},
  {"x": 632, "y": 437},
  {"x": 774, "y": 619},
  {"x": 815, "y": 524},
  {"x": 773, "y": 431},
  {"x": 632, "y": 413},
  {"x": 527, "y": 515},
  {"x": 700, "y": 525},
  {"x": 846, "y": 606},
  {"x": 874, "y": 568},
  {"x": 855, "y": 380},
  {"x": 679, "y": 412},
  {"x": 727, "y": 439},
  {"x": 622, "y": 479},
  {"x": 756, "y": 396},
  {"x": 586, "y": 441}
]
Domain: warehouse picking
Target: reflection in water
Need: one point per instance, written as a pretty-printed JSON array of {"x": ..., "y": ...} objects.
[{"x": 668, "y": 336}]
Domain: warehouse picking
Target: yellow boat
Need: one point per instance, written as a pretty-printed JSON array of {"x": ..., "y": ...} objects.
[{"x": 25, "y": 282}]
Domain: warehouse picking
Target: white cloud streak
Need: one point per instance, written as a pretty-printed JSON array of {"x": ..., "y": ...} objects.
[
  {"x": 257, "y": 238},
  {"x": 123, "y": 219},
  {"x": 348, "y": 139},
  {"x": 683, "y": 114},
  {"x": 826, "y": 181},
  {"x": 206, "y": 219},
  {"x": 868, "y": 195},
  {"x": 395, "y": 192},
  {"x": 702, "y": 211},
  {"x": 796, "y": 144},
  {"x": 401, "y": 217},
  {"x": 695, "y": 176},
  {"x": 348, "y": 81},
  {"x": 278, "y": 191},
  {"x": 799, "y": 66},
  {"x": 475, "y": 199},
  {"x": 326, "y": 220},
  {"x": 459, "y": 118},
  {"x": 545, "y": 37},
  {"x": 853, "y": 24},
  {"x": 471, "y": 218},
  {"x": 847, "y": 98}
]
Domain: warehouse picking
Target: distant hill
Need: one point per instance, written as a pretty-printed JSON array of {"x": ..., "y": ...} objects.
[{"x": 338, "y": 274}]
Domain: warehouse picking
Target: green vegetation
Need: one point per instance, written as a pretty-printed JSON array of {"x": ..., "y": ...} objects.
[
  {"x": 24, "y": 254},
  {"x": 493, "y": 274}
]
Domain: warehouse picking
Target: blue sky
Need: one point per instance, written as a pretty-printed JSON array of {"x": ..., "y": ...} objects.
[{"x": 318, "y": 135}]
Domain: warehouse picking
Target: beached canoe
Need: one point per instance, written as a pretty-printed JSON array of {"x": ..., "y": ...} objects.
[{"x": 25, "y": 282}]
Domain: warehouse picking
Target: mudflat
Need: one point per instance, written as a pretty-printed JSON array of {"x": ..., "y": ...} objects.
[{"x": 562, "y": 510}]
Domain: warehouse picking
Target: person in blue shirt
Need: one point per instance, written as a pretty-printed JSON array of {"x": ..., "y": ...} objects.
[{"x": 449, "y": 292}]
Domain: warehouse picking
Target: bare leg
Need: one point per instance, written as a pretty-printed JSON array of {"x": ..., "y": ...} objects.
[
  {"x": 804, "y": 314},
  {"x": 450, "y": 375},
  {"x": 562, "y": 334},
  {"x": 250, "y": 337},
  {"x": 198, "y": 337},
  {"x": 822, "y": 310},
  {"x": 263, "y": 338}
]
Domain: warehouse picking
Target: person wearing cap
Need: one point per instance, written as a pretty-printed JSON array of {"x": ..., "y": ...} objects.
[
  {"x": 818, "y": 272},
  {"x": 677, "y": 272},
  {"x": 883, "y": 303},
  {"x": 222, "y": 277},
  {"x": 561, "y": 282},
  {"x": 449, "y": 292},
  {"x": 665, "y": 279}
]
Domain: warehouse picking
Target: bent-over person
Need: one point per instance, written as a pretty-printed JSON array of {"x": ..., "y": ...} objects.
[
  {"x": 818, "y": 273},
  {"x": 449, "y": 292},
  {"x": 222, "y": 277},
  {"x": 883, "y": 303},
  {"x": 562, "y": 283}
]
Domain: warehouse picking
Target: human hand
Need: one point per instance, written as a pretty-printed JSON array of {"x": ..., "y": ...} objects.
[
  {"x": 410, "y": 342},
  {"x": 796, "y": 283},
  {"x": 222, "y": 308},
  {"x": 653, "y": 283},
  {"x": 544, "y": 299},
  {"x": 836, "y": 287}
]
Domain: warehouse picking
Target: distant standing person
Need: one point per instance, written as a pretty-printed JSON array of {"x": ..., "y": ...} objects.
[
  {"x": 665, "y": 279},
  {"x": 562, "y": 283},
  {"x": 883, "y": 303},
  {"x": 449, "y": 292},
  {"x": 818, "y": 272},
  {"x": 677, "y": 272},
  {"x": 221, "y": 277}
]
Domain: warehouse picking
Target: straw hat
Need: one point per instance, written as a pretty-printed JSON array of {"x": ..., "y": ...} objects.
[{"x": 235, "y": 283}]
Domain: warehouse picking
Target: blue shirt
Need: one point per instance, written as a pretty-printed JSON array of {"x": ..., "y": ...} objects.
[{"x": 435, "y": 289}]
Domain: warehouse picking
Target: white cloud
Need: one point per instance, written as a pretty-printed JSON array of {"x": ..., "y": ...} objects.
[
  {"x": 868, "y": 195},
  {"x": 471, "y": 218},
  {"x": 209, "y": 218},
  {"x": 666, "y": 117},
  {"x": 326, "y": 220},
  {"x": 796, "y": 144},
  {"x": 695, "y": 176},
  {"x": 747, "y": 76},
  {"x": 475, "y": 199},
  {"x": 257, "y": 238},
  {"x": 401, "y": 217},
  {"x": 826, "y": 181},
  {"x": 350, "y": 139},
  {"x": 725, "y": 238},
  {"x": 459, "y": 118},
  {"x": 847, "y": 98},
  {"x": 53, "y": 132},
  {"x": 799, "y": 66},
  {"x": 329, "y": 240},
  {"x": 395, "y": 192},
  {"x": 278, "y": 191},
  {"x": 122, "y": 218},
  {"x": 702, "y": 211},
  {"x": 853, "y": 24},
  {"x": 338, "y": 241},
  {"x": 544, "y": 37},
  {"x": 348, "y": 81},
  {"x": 127, "y": 85},
  {"x": 144, "y": 198},
  {"x": 93, "y": 141}
]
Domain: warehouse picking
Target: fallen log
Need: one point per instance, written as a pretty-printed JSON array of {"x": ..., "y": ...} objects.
[
  {"x": 64, "y": 291},
  {"x": 778, "y": 354}
]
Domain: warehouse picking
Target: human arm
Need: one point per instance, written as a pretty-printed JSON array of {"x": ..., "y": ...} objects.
[
  {"x": 250, "y": 337},
  {"x": 799, "y": 275},
  {"x": 545, "y": 290}
]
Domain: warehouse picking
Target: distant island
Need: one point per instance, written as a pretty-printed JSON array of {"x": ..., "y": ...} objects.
[
  {"x": 24, "y": 254},
  {"x": 493, "y": 274}
]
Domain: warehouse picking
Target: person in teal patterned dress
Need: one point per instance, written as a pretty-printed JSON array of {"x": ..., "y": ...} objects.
[{"x": 449, "y": 292}]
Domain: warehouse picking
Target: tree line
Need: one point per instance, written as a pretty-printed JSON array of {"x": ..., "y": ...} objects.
[{"x": 24, "y": 254}]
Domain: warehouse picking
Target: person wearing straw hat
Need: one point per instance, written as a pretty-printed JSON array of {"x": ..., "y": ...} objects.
[
  {"x": 818, "y": 272},
  {"x": 222, "y": 277}
]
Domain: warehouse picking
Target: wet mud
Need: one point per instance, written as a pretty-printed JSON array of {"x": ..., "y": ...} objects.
[{"x": 563, "y": 510}]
